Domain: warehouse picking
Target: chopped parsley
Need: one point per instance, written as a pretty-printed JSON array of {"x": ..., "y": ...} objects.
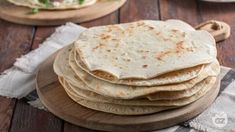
[
  {"x": 46, "y": 2},
  {"x": 81, "y": 1},
  {"x": 35, "y": 10}
]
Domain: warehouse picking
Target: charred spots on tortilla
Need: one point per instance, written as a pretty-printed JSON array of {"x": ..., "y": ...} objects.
[
  {"x": 88, "y": 79},
  {"x": 144, "y": 57},
  {"x": 75, "y": 76},
  {"x": 114, "y": 39},
  {"x": 129, "y": 80},
  {"x": 174, "y": 30},
  {"x": 72, "y": 60},
  {"x": 194, "y": 45},
  {"x": 124, "y": 54},
  {"x": 162, "y": 54},
  {"x": 125, "y": 31},
  {"x": 98, "y": 87},
  {"x": 98, "y": 46},
  {"x": 144, "y": 66},
  {"x": 108, "y": 50},
  {"x": 166, "y": 39},
  {"x": 70, "y": 49},
  {"x": 126, "y": 59},
  {"x": 106, "y": 56},
  {"x": 109, "y": 29},
  {"x": 120, "y": 67},
  {"x": 190, "y": 49},
  {"x": 179, "y": 45},
  {"x": 140, "y": 51},
  {"x": 140, "y": 23},
  {"x": 158, "y": 33},
  {"x": 69, "y": 66},
  {"x": 171, "y": 35},
  {"x": 177, "y": 51},
  {"x": 148, "y": 27},
  {"x": 151, "y": 28},
  {"x": 183, "y": 34},
  {"x": 159, "y": 58},
  {"x": 122, "y": 93},
  {"x": 105, "y": 36},
  {"x": 116, "y": 46}
]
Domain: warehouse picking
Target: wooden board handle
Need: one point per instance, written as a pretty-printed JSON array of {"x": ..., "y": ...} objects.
[{"x": 218, "y": 29}]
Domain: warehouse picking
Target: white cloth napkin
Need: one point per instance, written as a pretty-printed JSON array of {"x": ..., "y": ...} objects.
[{"x": 19, "y": 81}]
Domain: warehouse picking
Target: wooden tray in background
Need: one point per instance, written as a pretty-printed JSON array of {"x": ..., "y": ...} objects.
[
  {"x": 21, "y": 15},
  {"x": 58, "y": 102}
]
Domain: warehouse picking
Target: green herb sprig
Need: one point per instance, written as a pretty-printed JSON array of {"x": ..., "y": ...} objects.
[
  {"x": 35, "y": 10},
  {"x": 81, "y": 1},
  {"x": 46, "y": 2}
]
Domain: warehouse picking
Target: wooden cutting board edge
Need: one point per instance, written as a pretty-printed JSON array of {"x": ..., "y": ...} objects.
[{"x": 20, "y": 15}]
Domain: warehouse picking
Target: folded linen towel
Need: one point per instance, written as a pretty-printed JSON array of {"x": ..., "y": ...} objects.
[{"x": 19, "y": 80}]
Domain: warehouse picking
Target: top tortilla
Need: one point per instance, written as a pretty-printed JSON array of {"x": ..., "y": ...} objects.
[
  {"x": 62, "y": 6},
  {"x": 144, "y": 49},
  {"x": 168, "y": 78}
]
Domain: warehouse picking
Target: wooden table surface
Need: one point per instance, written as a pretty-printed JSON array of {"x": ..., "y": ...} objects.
[{"x": 17, "y": 40}]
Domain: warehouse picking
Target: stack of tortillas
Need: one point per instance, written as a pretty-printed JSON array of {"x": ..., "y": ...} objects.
[{"x": 138, "y": 68}]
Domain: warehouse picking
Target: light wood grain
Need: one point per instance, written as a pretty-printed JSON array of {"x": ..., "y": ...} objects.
[
  {"x": 18, "y": 14},
  {"x": 57, "y": 101}
]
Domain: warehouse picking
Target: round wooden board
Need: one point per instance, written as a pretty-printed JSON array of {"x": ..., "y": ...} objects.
[
  {"x": 57, "y": 101},
  {"x": 23, "y": 15}
]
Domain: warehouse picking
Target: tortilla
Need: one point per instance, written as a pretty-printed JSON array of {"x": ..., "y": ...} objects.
[
  {"x": 144, "y": 49},
  {"x": 164, "y": 95},
  {"x": 74, "y": 4},
  {"x": 117, "y": 109},
  {"x": 78, "y": 77},
  {"x": 112, "y": 108},
  {"x": 204, "y": 86},
  {"x": 63, "y": 66},
  {"x": 168, "y": 78}
]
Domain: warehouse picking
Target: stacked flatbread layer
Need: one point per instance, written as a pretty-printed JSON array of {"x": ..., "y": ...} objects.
[{"x": 138, "y": 68}]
